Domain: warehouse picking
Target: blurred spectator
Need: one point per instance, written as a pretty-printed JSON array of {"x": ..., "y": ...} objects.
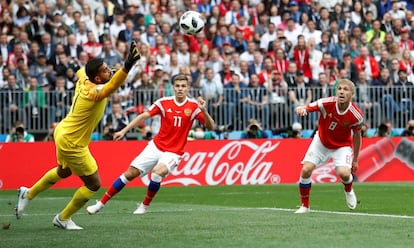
[
  {"x": 81, "y": 34},
  {"x": 226, "y": 72},
  {"x": 253, "y": 130},
  {"x": 18, "y": 133},
  {"x": 236, "y": 96},
  {"x": 125, "y": 35},
  {"x": 384, "y": 61},
  {"x": 247, "y": 53},
  {"x": 16, "y": 54},
  {"x": 386, "y": 128},
  {"x": 148, "y": 37},
  {"x": 296, "y": 131},
  {"x": 404, "y": 93},
  {"x": 376, "y": 32},
  {"x": 5, "y": 72},
  {"x": 49, "y": 135},
  {"x": 118, "y": 119},
  {"x": 349, "y": 66},
  {"x": 197, "y": 133},
  {"x": 99, "y": 28},
  {"x": 165, "y": 86},
  {"x": 277, "y": 90},
  {"x": 59, "y": 100},
  {"x": 35, "y": 104},
  {"x": 267, "y": 38},
  {"x": 109, "y": 10},
  {"x": 108, "y": 131},
  {"x": 40, "y": 70},
  {"x": 73, "y": 49},
  {"x": 144, "y": 133},
  {"x": 407, "y": 63},
  {"x": 110, "y": 55},
  {"x": 382, "y": 131},
  {"x": 215, "y": 62},
  {"x": 22, "y": 75},
  {"x": 324, "y": 88},
  {"x": 211, "y": 89},
  {"x": 409, "y": 129},
  {"x": 47, "y": 47},
  {"x": 301, "y": 56},
  {"x": 41, "y": 23},
  {"x": 258, "y": 103},
  {"x": 5, "y": 47},
  {"x": 257, "y": 66},
  {"x": 92, "y": 47},
  {"x": 364, "y": 99},
  {"x": 12, "y": 102},
  {"x": 299, "y": 93}
]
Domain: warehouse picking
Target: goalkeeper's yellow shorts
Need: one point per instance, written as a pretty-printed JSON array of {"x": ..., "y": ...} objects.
[{"x": 78, "y": 159}]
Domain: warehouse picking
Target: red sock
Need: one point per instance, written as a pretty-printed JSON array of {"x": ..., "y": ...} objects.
[
  {"x": 109, "y": 194},
  {"x": 148, "y": 197},
  {"x": 304, "y": 196},
  {"x": 348, "y": 187}
]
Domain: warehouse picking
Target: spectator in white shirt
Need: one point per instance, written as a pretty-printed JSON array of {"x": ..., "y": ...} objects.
[{"x": 268, "y": 37}]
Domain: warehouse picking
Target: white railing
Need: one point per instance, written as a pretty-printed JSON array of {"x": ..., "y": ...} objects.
[{"x": 395, "y": 104}]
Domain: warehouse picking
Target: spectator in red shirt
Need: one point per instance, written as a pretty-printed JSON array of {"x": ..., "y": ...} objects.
[{"x": 367, "y": 63}]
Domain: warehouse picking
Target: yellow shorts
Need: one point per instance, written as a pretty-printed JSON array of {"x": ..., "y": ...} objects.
[{"x": 78, "y": 159}]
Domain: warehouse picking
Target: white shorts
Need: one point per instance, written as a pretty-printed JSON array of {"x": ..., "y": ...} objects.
[
  {"x": 318, "y": 154},
  {"x": 151, "y": 156}
]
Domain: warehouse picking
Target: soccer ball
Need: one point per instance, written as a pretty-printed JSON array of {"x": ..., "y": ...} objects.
[{"x": 191, "y": 22}]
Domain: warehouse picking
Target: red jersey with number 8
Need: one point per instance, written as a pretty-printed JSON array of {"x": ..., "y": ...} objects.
[{"x": 334, "y": 127}]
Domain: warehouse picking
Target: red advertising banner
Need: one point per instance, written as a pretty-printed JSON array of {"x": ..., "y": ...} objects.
[{"x": 214, "y": 162}]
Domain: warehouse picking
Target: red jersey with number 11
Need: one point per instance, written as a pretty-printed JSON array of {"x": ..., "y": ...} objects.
[
  {"x": 334, "y": 127},
  {"x": 176, "y": 121}
]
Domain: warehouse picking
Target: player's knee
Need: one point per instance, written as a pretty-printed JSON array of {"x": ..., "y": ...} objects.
[
  {"x": 160, "y": 170},
  {"x": 132, "y": 173},
  {"x": 307, "y": 170},
  {"x": 344, "y": 173},
  {"x": 63, "y": 172},
  {"x": 95, "y": 186}
]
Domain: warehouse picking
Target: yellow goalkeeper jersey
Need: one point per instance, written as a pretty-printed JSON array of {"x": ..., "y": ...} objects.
[{"x": 88, "y": 106}]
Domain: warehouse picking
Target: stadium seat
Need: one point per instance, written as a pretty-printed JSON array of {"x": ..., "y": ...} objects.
[
  {"x": 95, "y": 136},
  {"x": 307, "y": 133},
  {"x": 3, "y": 137}
]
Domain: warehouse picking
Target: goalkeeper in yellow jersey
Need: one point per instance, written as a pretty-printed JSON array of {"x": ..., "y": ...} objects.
[{"x": 72, "y": 136}]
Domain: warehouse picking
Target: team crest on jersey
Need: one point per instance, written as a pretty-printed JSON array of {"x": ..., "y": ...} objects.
[
  {"x": 187, "y": 112},
  {"x": 345, "y": 123}
]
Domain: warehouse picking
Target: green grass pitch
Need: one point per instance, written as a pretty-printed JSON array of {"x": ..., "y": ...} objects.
[{"x": 221, "y": 216}]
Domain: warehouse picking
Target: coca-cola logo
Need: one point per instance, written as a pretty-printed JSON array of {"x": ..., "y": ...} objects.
[
  {"x": 228, "y": 165},
  {"x": 324, "y": 174}
]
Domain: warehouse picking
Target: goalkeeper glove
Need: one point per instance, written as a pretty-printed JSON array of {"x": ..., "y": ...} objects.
[{"x": 133, "y": 56}]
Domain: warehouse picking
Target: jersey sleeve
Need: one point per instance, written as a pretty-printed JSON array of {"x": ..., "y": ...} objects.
[
  {"x": 97, "y": 92},
  {"x": 313, "y": 106},
  {"x": 200, "y": 117},
  {"x": 155, "y": 108},
  {"x": 103, "y": 91}
]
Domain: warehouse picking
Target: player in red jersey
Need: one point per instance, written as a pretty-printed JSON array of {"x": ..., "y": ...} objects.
[
  {"x": 338, "y": 137},
  {"x": 163, "y": 153}
]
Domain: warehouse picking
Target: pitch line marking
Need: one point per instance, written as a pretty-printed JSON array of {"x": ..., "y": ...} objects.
[{"x": 246, "y": 209}]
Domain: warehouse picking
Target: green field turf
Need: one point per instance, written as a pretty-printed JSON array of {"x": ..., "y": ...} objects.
[{"x": 221, "y": 216}]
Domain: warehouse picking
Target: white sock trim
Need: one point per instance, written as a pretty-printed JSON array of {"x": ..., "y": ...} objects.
[
  {"x": 124, "y": 179},
  {"x": 305, "y": 180},
  {"x": 156, "y": 178}
]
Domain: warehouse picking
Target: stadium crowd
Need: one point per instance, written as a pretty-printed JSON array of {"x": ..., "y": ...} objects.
[{"x": 255, "y": 59}]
